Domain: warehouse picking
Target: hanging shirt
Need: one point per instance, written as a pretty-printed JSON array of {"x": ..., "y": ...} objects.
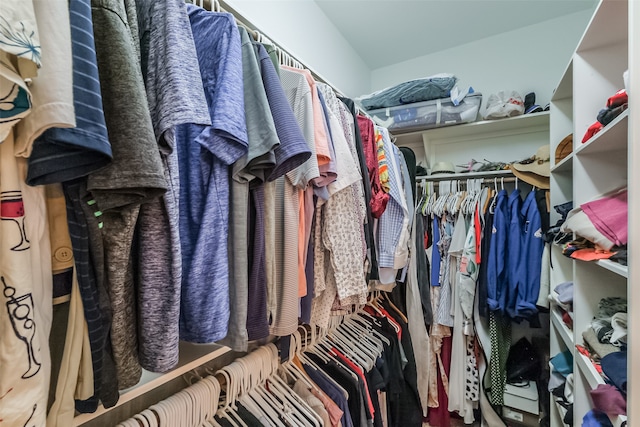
[
  {"x": 435, "y": 252},
  {"x": 531, "y": 258},
  {"x": 26, "y": 282},
  {"x": 298, "y": 93},
  {"x": 176, "y": 97},
  {"x": 392, "y": 223},
  {"x": 52, "y": 89},
  {"x": 379, "y": 199},
  {"x": 293, "y": 149},
  {"x": 246, "y": 238},
  {"x": 320, "y": 133},
  {"x": 496, "y": 261},
  {"x": 515, "y": 277},
  {"x": 205, "y": 157},
  {"x": 469, "y": 270},
  {"x": 20, "y": 38},
  {"x": 372, "y": 270},
  {"x": 64, "y": 154},
  {"x": 133, "y": 177}
]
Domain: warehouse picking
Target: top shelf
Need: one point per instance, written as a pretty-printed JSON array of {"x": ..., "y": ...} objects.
[
  {"x": 532, "y": 122},
  {"x": 608, "y": 26},
  {"x": 565, "y": 87}
]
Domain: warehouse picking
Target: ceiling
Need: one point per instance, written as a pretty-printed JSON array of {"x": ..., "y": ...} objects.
[{"x": 407, "y": 29}]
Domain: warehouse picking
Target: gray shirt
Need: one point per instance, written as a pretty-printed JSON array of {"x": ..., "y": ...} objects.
[{"x": 176, "y": 96}]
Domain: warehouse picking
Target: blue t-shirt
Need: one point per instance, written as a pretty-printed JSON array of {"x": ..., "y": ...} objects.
[
  {"x": 205, "y": 154},
  {"x": 293, "y": 149}
]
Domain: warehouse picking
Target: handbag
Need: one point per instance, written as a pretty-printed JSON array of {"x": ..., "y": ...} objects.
[{"x": 523, "y": 362}]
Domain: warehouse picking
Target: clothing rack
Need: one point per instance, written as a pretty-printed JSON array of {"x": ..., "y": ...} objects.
[{"x": 286, "y": 58}]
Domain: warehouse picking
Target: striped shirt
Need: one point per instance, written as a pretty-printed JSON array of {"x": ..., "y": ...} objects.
[{"x": 64, "y": 154}]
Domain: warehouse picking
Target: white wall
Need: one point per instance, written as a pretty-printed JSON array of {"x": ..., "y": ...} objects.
[
  {"x": 531, "y": 59},
  {"x": 301, "y": 28}
]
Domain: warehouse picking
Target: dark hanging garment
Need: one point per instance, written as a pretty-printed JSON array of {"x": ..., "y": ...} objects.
[
  {"x": 424, "y": 282},
  {"x": 483, "y": 308},
  {"x": 406, "y": 411}
]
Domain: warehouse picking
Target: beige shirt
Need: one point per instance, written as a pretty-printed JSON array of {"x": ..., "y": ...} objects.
[{"x": 52, "y": 90}]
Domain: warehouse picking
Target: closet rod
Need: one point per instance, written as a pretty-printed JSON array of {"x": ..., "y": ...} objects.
[
  {"x": 467, "y": 175},
  {"x": 253, "y": 30},
  {"x": 484, "y": 180}
]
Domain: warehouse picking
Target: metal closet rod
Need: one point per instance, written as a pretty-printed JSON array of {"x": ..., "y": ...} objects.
[
  {"x": 222, "y": 6},
  {"x": 499, "y": 180}
]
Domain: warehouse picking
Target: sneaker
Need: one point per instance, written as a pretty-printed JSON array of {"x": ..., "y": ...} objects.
[{"x": 530, "y": 105}]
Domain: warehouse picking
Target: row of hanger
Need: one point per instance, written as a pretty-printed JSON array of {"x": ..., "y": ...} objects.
[
  {"x": 260, "y": 381},
  {"x": 194, "y": 406},
  {"x": 284, "y": 58},
  {"x": 459, "y": 196}
]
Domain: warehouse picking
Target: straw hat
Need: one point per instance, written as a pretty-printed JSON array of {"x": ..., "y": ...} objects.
[
  {"x": 443, "y": 167},
  {"x": 536, "y": 169}
]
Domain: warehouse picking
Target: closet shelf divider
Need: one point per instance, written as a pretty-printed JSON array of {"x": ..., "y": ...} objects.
[
  {"x": 586, "y": 368},
  {"x": 565, "y": 333},
  {"x": 564, "y": 166},
  {"x": 612, "y": 137}
]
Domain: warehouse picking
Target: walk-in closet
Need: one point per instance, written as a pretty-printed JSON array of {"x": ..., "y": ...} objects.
[{"x": 319, "y": 213}]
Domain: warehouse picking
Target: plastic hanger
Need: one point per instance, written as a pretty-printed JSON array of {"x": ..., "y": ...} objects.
[
  {"x": 273, "y": 396},
  {"x": 252, "y": 395},
  {"x": 213, "y": 386},
  {"x": 296, "y": 408},
  {"x": 365, "y": 348},
  {"x": 351, "y": 353},
  {"x": 223, "y": 412},
  {"x": 332, "y": 355},
  {"x": 364, "y": 318},
  {"x": 237, "y": 375}
]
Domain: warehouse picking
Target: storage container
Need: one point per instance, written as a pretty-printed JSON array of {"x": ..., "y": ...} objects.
[{"x": 428, "y": 114}]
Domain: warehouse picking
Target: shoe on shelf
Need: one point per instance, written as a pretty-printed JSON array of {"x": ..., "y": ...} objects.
[{"x": 530, "y": 105}]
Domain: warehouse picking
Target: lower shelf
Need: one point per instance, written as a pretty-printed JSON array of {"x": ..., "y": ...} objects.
[
  {"x": 192, "y": 356},
  {"x": 589, "y": 371},
  {"x": 618, "y": 420},
  {"x": 565, "y": 333},
  {"x": 594, "y": 379},
  {"x": 561, "y": 410}
]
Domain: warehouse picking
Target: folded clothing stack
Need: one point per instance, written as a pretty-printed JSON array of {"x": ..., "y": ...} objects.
[
  {"x": 610, "y": 323},
  {"x": 616, "y": 104},
  {"x": 418, "y": 90},
  {"x": 602, "y": 228}
]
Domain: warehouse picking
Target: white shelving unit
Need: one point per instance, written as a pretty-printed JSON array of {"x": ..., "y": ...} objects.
[
  {"x": 505, "y": 140},
  {"x": 601, "y": 164}
]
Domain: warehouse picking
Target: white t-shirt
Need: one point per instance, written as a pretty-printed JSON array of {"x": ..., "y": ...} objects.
[{"x": 26, "y": 284}]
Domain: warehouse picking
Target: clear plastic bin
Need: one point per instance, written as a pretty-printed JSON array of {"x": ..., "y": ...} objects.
[{"x": 428, "y": 114}]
